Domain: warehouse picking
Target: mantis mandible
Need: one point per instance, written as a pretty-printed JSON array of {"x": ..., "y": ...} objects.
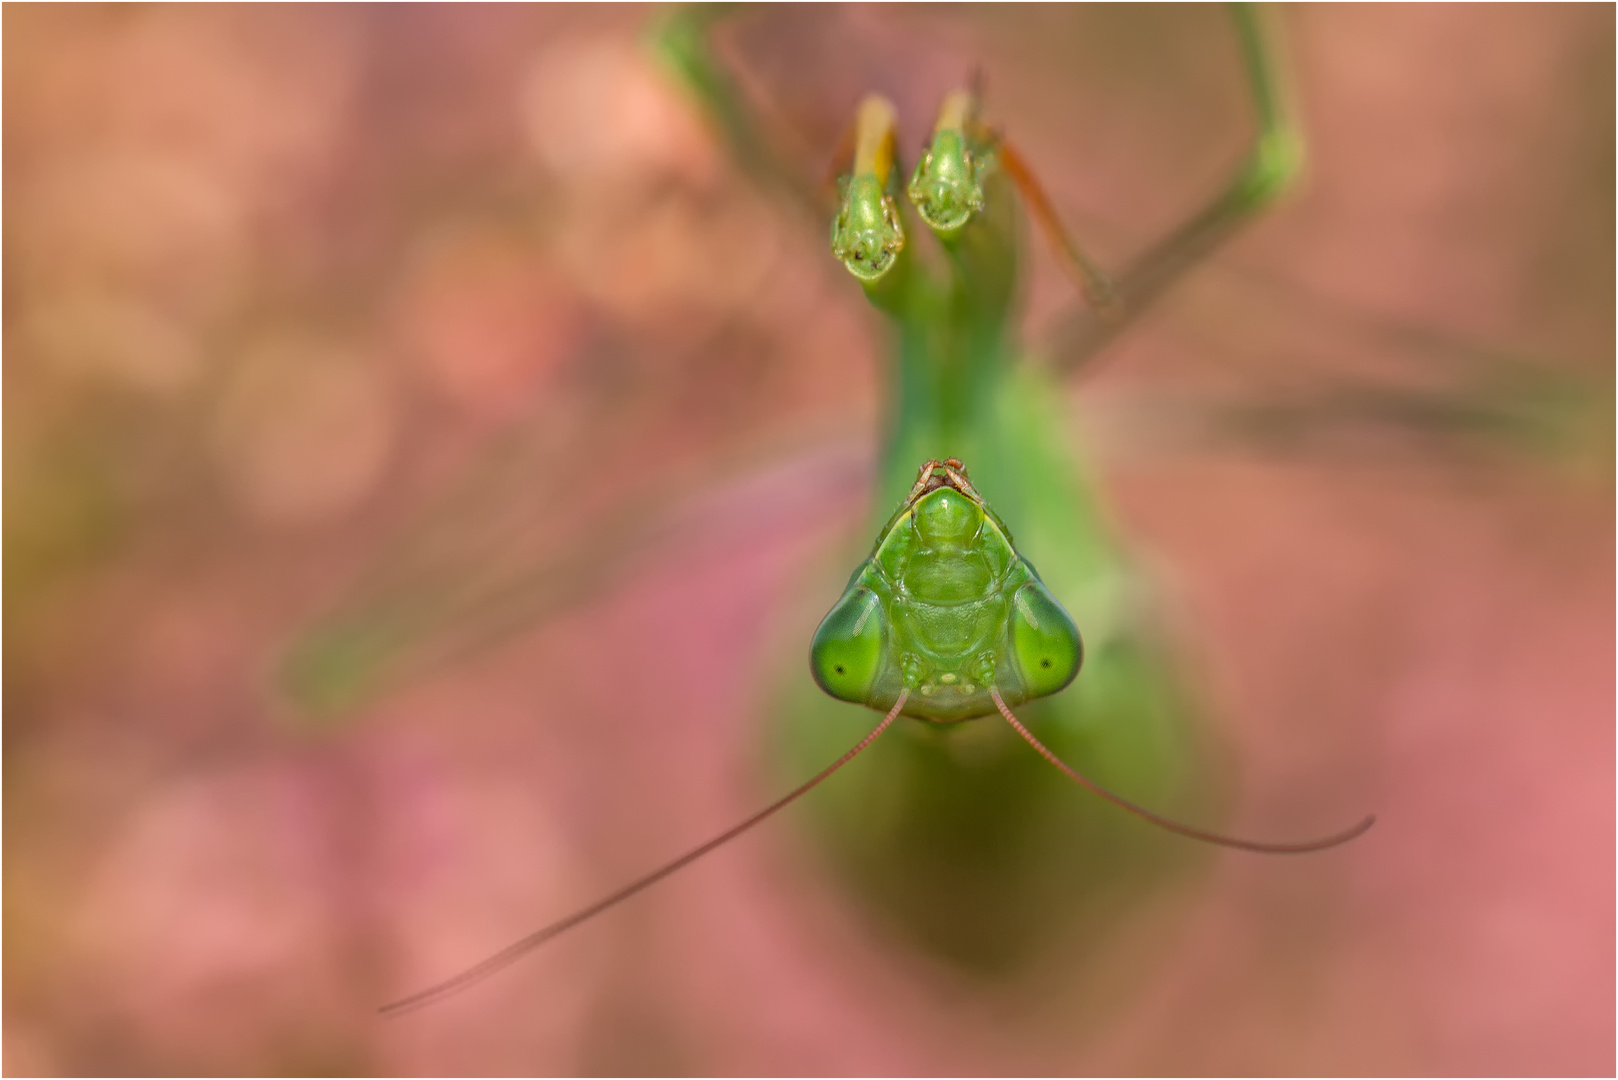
[{"x": 947, "y": 621}]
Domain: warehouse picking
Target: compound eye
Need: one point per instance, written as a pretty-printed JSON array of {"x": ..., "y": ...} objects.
[
  {"x": 1044, "y": 641},
  {"x": 847, "y": 651}
]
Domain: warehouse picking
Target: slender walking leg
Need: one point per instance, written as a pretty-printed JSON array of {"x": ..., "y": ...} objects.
[{"x": 1268, "y": 170}]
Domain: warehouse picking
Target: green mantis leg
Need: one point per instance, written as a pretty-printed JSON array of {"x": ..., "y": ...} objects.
[
  {"x": 683, "y": 43},
  {"x": 1268, "y": 170}
]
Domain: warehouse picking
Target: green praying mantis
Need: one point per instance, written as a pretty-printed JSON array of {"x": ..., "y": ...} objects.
[{"x": 947, "y": 622}]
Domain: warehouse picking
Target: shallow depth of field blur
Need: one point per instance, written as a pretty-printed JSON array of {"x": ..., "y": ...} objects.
[{"x": 317, "y": 309}]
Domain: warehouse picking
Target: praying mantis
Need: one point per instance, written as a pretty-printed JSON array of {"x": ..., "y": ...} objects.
[
  {"x": 947, "y": 620},
  {"x": 952, "y": 806}
]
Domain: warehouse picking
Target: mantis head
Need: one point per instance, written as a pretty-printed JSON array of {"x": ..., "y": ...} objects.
[{"x": 944, "y": 610}]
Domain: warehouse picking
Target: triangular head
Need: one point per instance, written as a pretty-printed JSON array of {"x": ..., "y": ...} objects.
[{"x": 945, "y": 608}]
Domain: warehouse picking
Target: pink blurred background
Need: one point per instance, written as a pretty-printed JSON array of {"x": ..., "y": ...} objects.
[{"x": 315, "y": 307}]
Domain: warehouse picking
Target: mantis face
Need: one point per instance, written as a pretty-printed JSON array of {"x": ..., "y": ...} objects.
[{"x": 945, "y": 609}]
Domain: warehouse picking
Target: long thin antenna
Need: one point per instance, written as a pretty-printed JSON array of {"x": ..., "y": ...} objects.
[
  {"x": 517, "y": 950},
  {"x": 1173, "y": 826}
]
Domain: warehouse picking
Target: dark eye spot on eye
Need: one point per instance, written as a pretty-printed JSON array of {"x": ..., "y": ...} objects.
[
  {"x": 838, "y": 669},
  {"x": 1045, "y": 662}
]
